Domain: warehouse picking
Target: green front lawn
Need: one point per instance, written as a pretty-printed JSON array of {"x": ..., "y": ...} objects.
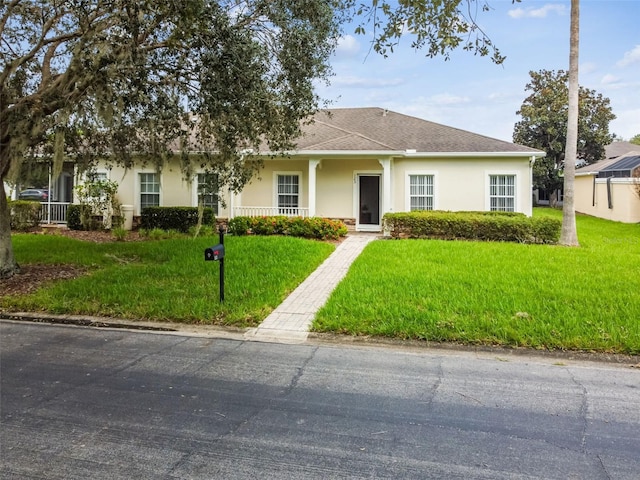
[
  {"x": 169, "y": 279},
  {"x": 536, "y": 296}
]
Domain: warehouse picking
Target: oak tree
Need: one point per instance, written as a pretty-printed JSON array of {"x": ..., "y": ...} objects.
[
  {"x": 543, "y": 125},
  {"x": 207, "y": 80}
]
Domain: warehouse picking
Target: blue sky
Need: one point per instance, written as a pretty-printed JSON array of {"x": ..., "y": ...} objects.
[{"x": 474, "y": 94}]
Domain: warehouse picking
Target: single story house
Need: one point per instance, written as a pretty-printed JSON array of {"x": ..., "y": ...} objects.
[
  {"x": 355, "y": 164},
  {"x": 610, "y": 188}
]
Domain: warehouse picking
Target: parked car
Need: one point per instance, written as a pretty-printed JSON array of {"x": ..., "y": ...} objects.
[{"x": 34, "y": 194}]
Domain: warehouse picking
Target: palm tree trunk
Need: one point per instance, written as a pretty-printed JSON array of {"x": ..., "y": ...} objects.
[{"x": 569, "y": 234}]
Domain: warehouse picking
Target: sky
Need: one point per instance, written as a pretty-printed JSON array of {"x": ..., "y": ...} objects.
[{"x": 472, "y": 93}]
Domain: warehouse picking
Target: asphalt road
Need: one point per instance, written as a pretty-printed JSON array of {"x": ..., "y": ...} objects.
[{"x": 82, "y": 403}]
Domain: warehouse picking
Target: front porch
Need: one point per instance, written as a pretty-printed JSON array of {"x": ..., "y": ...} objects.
[
  {"x": 54, "y": 212},
  {"x": 248, "y": 211}
]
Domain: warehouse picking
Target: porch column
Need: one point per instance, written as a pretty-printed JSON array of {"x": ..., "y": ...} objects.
[
  {"x": 386, "y": 184},
  {"x": 49, "y": 195},
  {"x": 313, "y": 164},
  {"x": 234, "y": 200}
]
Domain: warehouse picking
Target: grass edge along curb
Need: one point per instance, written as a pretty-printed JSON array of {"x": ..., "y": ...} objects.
[{"x": 483, "y": 226}]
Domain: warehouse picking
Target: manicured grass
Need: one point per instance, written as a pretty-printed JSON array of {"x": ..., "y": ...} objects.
[
  {"x": 169, "y": 279},
  {"x": 538, "y": 296}
]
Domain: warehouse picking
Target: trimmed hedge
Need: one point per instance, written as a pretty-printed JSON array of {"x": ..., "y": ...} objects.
[
  {"x": 25, "y": 214},
  {"x": 174, "y": 218},
  {"x": 311, "y": 227},
  {"x": 485, "y": 226}
]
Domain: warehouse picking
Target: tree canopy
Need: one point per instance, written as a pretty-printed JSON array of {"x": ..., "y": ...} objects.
[
  {"x": 209, "y": 80},
  {"x": 543, "y": 125},
  {"x": 635, "y": 139}
]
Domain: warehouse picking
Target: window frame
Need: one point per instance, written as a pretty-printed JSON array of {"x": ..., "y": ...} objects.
[
  {"x": 514, "y": 196},
  {"x": 434, "y": 194},
  {"x": 196, "y": 187},
  {"x": 276, "y": 193},
  {"x": 138, "y": 188}
]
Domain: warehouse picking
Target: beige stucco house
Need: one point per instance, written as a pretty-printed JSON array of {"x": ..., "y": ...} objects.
[
  {"x": 356, "y": 164},
  {"x": 609, "y": 188}
]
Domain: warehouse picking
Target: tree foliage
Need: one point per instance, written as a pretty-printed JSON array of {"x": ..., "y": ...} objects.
[
  {"x": 122, "y": 80},
  {"x": 435, "y": 27},
  {"x": 543, "y": 125},
  {"x": 208, "y": 80},
  {"x": 635, "y": 139}
]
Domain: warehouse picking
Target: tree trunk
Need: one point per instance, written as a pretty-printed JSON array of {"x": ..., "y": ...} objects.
[
  {"x": 569, "y": 234},
  {"x": 8, "y": 265}
]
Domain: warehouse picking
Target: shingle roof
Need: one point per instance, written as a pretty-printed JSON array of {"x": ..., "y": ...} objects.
[
  {"x": 616, "y": 149},
  {"x": 376, "y": 129}
]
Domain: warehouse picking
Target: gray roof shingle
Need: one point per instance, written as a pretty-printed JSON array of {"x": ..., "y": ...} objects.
[{"x": 377, "y": 129}]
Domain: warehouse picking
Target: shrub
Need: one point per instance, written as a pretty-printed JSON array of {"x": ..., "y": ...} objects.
[
  {"x": 24, "y": 214},
  {"x": 313, "y": 227},
  {"x": 486, "y": 226},
  {"x": 79, "y": 217},
  {"x": 174, "y": 218},
  {"x": 239, "y": 225},
  {"x": 119, "y": 233},
  {"x": 99, "y": 199}
]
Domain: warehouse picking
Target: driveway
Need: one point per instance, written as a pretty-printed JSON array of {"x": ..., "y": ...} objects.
[{"x": 82, "y": 403}]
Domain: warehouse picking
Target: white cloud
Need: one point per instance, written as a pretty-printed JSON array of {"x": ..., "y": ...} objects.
[
  {"x": 365, "y": 82},
  {"x": 609, "y": 79},
  {"x": 348, "y": 46},
  {"x": 448, "y": 99},
  {"x": 541, "y": 12},
  {"x": 632, "y": 56},
  {"x": 588, "y": 67}
]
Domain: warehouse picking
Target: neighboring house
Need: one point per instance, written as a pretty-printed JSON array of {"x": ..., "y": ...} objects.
[
  {"x": 609, "y": 188},
  {"x": 356, "y": 164}
]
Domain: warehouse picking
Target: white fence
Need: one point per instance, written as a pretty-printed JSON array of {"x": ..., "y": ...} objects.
[
  {"x": 54, "y": 212},
  {"x": 270, "y": 211}
]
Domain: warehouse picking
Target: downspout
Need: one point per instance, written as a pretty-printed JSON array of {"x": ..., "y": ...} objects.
[
  {"x": 532, "y": 161},
  {"x": 593, "y": 200},
  {"x": 609, "y": 193}
]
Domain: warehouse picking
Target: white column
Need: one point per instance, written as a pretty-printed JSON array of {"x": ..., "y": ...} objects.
[
  {"x": 313, "y": 164},
  {"x": 386, "y": 184},
  {"x": 233, "y": 198}
]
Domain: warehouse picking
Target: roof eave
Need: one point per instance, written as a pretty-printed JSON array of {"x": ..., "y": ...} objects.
[{"x": 412, "y": 154}]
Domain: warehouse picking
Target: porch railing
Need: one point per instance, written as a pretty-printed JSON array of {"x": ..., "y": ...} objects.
[
  {"x": 54, "y": 212},
  {"x": 270, "y": 211}
]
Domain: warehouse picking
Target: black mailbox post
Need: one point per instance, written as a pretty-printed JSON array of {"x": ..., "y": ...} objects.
[{"x": 216, "y": 253}]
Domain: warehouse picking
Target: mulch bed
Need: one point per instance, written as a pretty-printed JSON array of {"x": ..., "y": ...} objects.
[{"x": 31, "y": 277}]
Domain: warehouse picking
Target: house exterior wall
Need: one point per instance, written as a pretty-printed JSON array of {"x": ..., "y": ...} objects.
[
  {"x": 335, "y": 185},
  {"x": 261, "y": 192},
  {"x": 462, "y": 184},
  {"x": 459, "y": 183},
  {"x": 174, "y": 190},
  {"x": 625, "y": 202}
]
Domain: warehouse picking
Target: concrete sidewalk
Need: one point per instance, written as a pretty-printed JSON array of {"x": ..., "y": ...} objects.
[{"x": 291, "y": 320}]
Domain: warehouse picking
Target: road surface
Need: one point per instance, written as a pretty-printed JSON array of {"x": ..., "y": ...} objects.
[{"x": 83, "y": 403}]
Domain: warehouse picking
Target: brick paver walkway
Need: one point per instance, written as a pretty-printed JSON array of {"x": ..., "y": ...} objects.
[{"x": 290, "y": 321}]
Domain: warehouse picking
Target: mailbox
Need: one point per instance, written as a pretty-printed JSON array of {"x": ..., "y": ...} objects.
[{"x": 214, "y": 253}]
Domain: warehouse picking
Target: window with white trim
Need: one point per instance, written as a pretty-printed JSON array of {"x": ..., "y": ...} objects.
[
  {"x": 149, "y": 190},
  {"x": 420, "y": 192},
  {"x": 208, "y": 190},
  {"x": 98, "y": 176},
  {"x": 502, "y": 193},
  {"x": 288, "y": 194}
]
